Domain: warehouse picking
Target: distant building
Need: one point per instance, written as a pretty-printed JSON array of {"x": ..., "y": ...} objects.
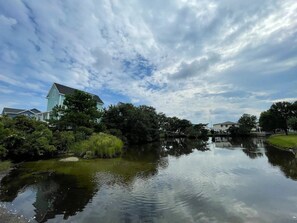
[
  {"x": 56, "y": 96},
  {"x": 223, "y": 127},
  {"x": 13, "y": 112}
]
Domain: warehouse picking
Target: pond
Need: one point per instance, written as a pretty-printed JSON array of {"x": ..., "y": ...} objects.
[{"x": 221, "y": 180}]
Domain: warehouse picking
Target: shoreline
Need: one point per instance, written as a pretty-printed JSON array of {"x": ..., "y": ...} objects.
[{"x": 284, "y": 142}]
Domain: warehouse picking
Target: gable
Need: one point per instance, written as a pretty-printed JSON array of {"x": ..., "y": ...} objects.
[{"x": 62, "y": 89}]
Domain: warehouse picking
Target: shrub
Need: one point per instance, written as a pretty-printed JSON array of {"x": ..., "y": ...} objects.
[
  {"x": 99, "y": 145},
  {"x": 23, "y": 138},
  {"x": 63, "y": 140}
]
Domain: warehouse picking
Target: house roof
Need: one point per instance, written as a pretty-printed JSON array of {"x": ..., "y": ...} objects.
[
  {"x": 69, "y": 90},
  {"x": 12, "y": 110},
  {"x": 17, "y": 110},
  {"x": 35, "y": 110},
  {"x": 226, "y": 123}
]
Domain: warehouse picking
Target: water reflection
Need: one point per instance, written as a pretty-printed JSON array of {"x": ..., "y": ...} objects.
[
  {"x": 252, "y": 147},
  {"x": 149, "y": 184},
  {"x": 286, "y": 161},
  {"x": 66, "y": 188}
]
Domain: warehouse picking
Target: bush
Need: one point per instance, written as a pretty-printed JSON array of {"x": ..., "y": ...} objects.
[
  {"x": 23, "y": 138},
  {"x": 99, "y": 145},
  {"x": 3, "y": 152},
  {"x": 292, "y": 122},
  {"x": 63, "y": 140}
]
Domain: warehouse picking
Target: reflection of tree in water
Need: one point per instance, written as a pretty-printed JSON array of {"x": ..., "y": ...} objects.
[
  {"x": 252, "y": 147},
  {"x": 159, "y": 151},
  {"x": 66, "y": 188},
  {"x": 55, "y": 193},
  {"x": 183, "y": 146},
  {"x": 286, "y": 161}
]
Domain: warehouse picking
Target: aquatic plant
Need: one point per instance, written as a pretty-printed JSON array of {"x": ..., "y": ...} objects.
[{"x": 98, "y": 145}]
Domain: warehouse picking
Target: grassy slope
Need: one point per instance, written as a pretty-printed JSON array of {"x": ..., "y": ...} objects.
[{"x": 283, "y": 141}]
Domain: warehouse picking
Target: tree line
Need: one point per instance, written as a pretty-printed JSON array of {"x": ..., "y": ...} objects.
[
  {"x": 281, "y": 115},
  {"x": 78, "y": 125}
]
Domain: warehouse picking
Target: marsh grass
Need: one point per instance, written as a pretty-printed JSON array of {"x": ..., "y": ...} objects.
[
  {"x": 98, "y": 145},
  {"x": 5, "y": 165},
  {"x": 283, "y": 141}
]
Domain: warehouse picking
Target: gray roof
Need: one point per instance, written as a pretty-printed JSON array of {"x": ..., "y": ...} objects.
[
  {"x": 226, "y": 123},
  {"x": 35, "y": 110},
  {"x": 12, "y": 110},
  {"x": 68, "y": 90},
  {"x": 17, "y": 110}
]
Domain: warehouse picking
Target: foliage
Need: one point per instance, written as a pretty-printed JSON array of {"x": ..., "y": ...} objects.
[
  {"x": 99, "y": 145},
  {"x": 268, "y": 121},
  {"x": 24, "y": 138},
  {"x": 196, "y": 131},
  {"x": 283, "y": 141},
  {"x": 292, "y": 123},
  {"x": 79, "y": 110},
  {"x": 234, "y": 131},
  {"x": 246, "y": 123},
  {"x": 63, "y": 140},
  {"x": 5, "y": 165},
  {"x": 178, "y": 125},
  {"x": 277, "y": 116},
  {"x": 136, "y": 124}
]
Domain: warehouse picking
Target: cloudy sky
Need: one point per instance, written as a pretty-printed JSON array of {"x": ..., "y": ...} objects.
[{"x": 207, "y": 61}]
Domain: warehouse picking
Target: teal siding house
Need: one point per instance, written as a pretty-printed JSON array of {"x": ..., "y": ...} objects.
[{"x": 56, "y": 96}]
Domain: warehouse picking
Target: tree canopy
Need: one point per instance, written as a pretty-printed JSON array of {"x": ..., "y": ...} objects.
[
  {"x": 246, "y": 123},
  {"x": 79, "y": 110},
  {"x": 135, "y": 124},
  {"x": 278, "y": 115},
  {"x": 25, "y": 138}
]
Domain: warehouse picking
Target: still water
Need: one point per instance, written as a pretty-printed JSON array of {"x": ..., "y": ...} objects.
[{"x": 222, "y": 180}]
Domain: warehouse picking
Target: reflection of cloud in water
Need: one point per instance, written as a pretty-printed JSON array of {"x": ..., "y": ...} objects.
[{"x": 161, "y": 183}]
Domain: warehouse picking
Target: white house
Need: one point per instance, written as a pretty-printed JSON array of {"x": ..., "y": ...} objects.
[{"x": 223, "y": 127}]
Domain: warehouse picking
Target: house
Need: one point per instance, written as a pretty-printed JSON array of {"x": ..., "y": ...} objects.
[
  {"x": 223, "y": 127},
  {"x": 13, "y": 112},
  {"x": 56, "y": 96}
]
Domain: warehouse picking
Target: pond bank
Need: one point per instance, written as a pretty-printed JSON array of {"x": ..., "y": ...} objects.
[{"x": 284, "y": 142}]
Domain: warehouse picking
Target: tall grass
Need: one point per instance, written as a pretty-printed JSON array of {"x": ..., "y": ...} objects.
[
  {"x": 5, "y": 165},
  {"x": 98, "y": 145}
]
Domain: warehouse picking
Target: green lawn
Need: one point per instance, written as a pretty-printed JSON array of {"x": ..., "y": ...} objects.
[{"x": 283, "y": 141}]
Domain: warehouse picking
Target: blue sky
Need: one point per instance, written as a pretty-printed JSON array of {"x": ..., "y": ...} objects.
[{"x": 207, "y": 61}]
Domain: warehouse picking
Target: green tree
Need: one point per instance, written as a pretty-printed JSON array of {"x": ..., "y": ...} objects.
[
  {"x": 196, "y": 131},
  {"x": 136, "y": 124},
  {"x": 79, "y": 110},
  {"x": 178, "y": 125},
  {"x": 282, "y": 112},
  {"x": 246, "y": 123},
  {"x": 268, "y": 121},
  {"x": 63, "y": 140},
  {"x": 292, "y": 123},
  {"x": 24, "y": 138}
]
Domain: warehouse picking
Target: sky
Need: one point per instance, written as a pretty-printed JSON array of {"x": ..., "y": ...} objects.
[{"x": 206, "y": 61}]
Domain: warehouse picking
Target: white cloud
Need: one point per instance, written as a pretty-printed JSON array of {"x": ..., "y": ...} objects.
[{"x": 186, "y": 55}]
